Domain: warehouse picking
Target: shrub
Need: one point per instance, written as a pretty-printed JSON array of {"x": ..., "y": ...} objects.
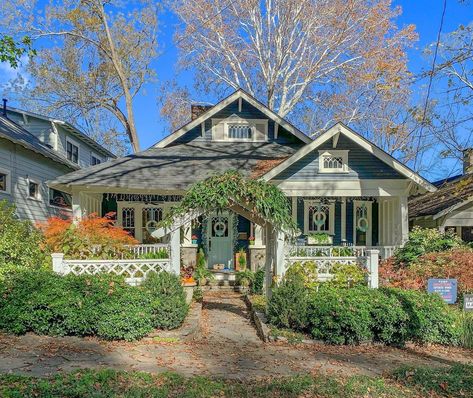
[
  {"x": 341, "y": 316},
  {"x": 19, "y": 241},
  {"x": 307, "y": 271},
  {"x": 258, "y": 282},
  {"x": 389, "y": 320},
  {"x": 430, "y": 319},
  {"x": 91, "y": 237},
  {"x": 103, "y": 305},
  {"x": 128, "y": 316},
  {"x": 244, "y": 277},
  {"x": 456, "y": 263},
  {"x": 425, "y": 240},
  {"x": 168, "y": 303},
  {"x": 288, "y": 306},
  {"x": 347, "y": 275}
]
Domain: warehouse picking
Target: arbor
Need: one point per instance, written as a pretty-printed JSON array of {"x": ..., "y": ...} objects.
[
  {"x": 96, "y": 60},
  {"x": 317, "y": 61}
]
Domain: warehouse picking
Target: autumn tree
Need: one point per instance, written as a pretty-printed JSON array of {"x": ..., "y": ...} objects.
[
  {"x": 96, "y": 60},
  {"x": 451, "y": 121},
  {"x": 313, "y": 61}
]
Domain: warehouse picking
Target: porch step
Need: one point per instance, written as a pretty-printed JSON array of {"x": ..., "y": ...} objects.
[
  {"x": 223, "y": 278},
  {"x": 221, "y": 288}
]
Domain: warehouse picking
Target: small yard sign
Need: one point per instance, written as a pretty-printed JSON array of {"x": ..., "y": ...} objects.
[
  {"x": 468, "y": 302},
  {"x": 447, "y": 288}
]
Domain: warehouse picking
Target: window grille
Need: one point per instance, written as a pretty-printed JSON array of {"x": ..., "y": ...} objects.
[{"x": 239, "y": 131}]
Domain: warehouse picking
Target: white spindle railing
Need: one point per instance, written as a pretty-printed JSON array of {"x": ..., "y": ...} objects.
[
  {"x": 143, "y": 249},
  {"x": 339, "y": 251}
]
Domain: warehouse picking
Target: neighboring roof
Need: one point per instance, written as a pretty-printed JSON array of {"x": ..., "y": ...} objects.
[
  {"x": 176, "y": 167},
  {"x": 334, "y": 132},
  {"x": 449, "y": 196},
  {"x": 15, "y": 133},
  {"x": 70, "y": 128},
  {"x": 221, "y": 105}
]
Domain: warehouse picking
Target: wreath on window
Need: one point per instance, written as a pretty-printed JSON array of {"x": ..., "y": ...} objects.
[{"x": 362, "y": 224}]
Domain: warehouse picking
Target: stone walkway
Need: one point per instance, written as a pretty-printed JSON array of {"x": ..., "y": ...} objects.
[{"x": 228, "y": 348}]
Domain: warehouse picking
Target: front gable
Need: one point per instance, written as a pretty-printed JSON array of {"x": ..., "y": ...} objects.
[
  {"x": 238, "y": 112},
  {"x": 360, "y": 164},
  {"x": 341, "y": 161}
]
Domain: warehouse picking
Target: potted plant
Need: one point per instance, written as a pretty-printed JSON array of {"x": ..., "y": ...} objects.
[
  {"x": 194, "y": 239},
  {"x": 244, "y": 279},
  {"x": 240, "y": 259},
  {"x": 187, "y": 275},
  {"x": 319, "y": 238},
  {"x": 251, "y": 240},
  {"x": 202, "y": 274}
]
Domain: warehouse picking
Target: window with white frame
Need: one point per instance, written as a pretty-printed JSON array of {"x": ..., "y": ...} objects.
[
  {"x": 5, "y": 181},
  {"x": 72, "y": 151},
  {"x": 319, "y": 217},
  {"x": 333, "y": 161},
  {"x": 94, "y": 160},
  {"x": 60, "y": 199},
  {"x": 33, "y": 190},
  {"x": 240, "y": 131}
]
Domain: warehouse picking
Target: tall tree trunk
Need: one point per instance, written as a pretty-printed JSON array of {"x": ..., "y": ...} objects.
[{"x": 130, "y": 127}]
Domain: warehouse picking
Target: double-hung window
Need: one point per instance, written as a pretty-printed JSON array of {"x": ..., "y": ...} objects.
[
  {"x": 72, "y": 151},
  {"x": 33, "y": 190},
  {"x": 4, "y": 181},
  {"x": 94, "y": 160}
]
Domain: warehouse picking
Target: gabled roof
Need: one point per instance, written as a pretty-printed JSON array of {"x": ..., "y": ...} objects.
[
  {"x": 240, "y": 93},
  {"x": 334, "y": 132},
  {"x": 15, "y": 133},
  {"x": 177, "y": 167},
  {"x": 451, "y": 195},
  {"x": 70, "y": 128}
]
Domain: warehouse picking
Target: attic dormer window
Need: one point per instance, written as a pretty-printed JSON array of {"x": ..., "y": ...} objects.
[
  {"x": 239, "y": 132},
  {"x": 333, "y": 161}
]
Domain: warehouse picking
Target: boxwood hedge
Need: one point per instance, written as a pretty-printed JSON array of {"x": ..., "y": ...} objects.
[{"x": 43, "y": 302}]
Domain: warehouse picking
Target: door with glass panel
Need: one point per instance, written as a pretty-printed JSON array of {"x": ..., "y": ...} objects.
[
  {"x": 362, "y": 221},
  {"x": 220, "y": 239}
]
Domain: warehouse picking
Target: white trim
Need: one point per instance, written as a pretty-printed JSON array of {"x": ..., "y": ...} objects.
[
  {"x": 77, "y": 144},
  {"x": 345, "y": 187},
  {"x": 294, "y": 209},
  {"x": 335, "y": 153},
  {"x": 38, "y": 198},
  {"x": 364, "y": 143},
  {"x": 8, "y": 183},
  {"x": 343, "y": 218},
  {"x": 276, "y": 130},
  {"x": 224, "y": 103},
  {"x": 239, "y": 105},
  {"x": 202, "y": 129},
  {"x": 369, "y": 232},
  {"x": 331, "y": 206}
]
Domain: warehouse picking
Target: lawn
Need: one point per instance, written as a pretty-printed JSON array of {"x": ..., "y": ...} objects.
[{"x": 456, "y": 381}]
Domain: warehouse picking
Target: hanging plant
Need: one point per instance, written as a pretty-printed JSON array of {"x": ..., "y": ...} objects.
[{"x": 217, "y": 193}]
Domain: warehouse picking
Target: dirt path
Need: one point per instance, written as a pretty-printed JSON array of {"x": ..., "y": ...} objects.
[{"x": 228, "y": 348}]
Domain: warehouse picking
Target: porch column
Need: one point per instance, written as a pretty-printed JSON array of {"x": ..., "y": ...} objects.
[
  {"x": 268, "y": 269},
  {"x": 76, "y": 206},
  {"x": 175, "y": 242},
  {"x": 343, "y": 221},
  {"x": 258, "y": 235},
  {"x": 404, "y": 219},
  {"x": 372, "y": 263},
  {"x": 187, "y": 234},
  {"x": 279, "y": 254}
]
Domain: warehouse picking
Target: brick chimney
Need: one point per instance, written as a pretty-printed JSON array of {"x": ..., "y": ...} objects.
[
  {"x": 197, "y": 110},
  {"x": 468, "y": 161}
]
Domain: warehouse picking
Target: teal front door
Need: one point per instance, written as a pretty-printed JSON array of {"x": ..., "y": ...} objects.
[{"x": 220, "y": 236}]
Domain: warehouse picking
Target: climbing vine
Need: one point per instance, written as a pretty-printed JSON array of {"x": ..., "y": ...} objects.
[{"x": 221, "y": 191}]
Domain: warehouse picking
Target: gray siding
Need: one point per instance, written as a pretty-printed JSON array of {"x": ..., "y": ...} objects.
[
  {"x": 362, "y": 165},
  {"x": 44, "y": 131},
  {"x": 23, "y": 165},
  {"x": 248, "y": 111}
]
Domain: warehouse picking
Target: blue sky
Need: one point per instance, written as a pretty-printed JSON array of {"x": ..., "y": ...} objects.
[{"x": 425, "y": 14}]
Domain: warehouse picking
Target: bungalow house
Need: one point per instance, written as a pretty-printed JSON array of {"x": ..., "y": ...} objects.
[
  {"x": 35, "y": 149},
  {"x": 342, "y": 188},
  {"x": 451, "y": 206}
]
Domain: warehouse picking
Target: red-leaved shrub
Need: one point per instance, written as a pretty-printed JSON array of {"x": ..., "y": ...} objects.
[
  {"x": 457, "y": 264},
  {"x": 92, "y": 236}
]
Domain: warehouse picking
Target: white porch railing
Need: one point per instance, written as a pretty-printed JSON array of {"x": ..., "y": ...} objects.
[
  {"x": 340, "y": 251},
  {"x": 325, "y": 263},
  {"x": 144, "y": 249},
  {"x": 134, "y": 271}
]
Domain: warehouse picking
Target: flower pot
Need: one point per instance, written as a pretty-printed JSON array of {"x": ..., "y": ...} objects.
[{"x": 194, "y": 241}]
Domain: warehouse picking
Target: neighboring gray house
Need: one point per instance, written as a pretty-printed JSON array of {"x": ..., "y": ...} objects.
[
  {"x": 35, "y": 149},
  {"x": 451, "y": 206}
]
